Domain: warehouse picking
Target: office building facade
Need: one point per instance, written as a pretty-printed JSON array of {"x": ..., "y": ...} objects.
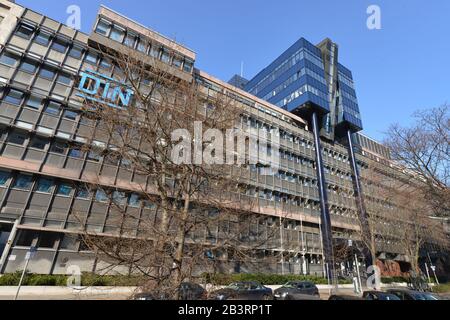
[{"x": 42, "y": 171}]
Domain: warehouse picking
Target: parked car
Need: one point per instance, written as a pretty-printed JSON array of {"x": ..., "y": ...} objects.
[
  {"x": 379, "y": 295},
  {"x": 407, "y": 294},
  {"x": 244, "y": 290},
  {"x": 297, "y": 290},
  {"x": 188, "y": 291},
  {"x": 343, "y": 297}
]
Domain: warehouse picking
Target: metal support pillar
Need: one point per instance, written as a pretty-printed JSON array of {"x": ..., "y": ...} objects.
[
  {"x": 325, "y": 226},
  {"x": 359, "y": 199}
]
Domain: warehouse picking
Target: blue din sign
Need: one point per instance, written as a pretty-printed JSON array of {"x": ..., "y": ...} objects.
[{"x": 103, "y": 89}]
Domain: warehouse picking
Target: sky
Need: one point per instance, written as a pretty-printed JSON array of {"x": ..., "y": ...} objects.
[{"x": 398, "y": 69}]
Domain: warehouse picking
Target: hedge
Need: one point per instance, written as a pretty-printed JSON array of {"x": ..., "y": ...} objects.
[
  {"x": 90, "y": 280},
  {"x": 87, "y": 280},
  {"x": 267, "y": 279}
]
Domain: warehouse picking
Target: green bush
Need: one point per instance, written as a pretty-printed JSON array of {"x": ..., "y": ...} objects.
[
  {"x": 10, "y": 279},
  {"x": 389, "y": 280},
  {"x": 442, "y": 288},
  {"x": 87, "y": 280},
  {"x": 266, "y": 279}
]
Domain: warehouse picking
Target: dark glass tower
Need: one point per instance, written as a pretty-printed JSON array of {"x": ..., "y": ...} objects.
[
  {"x": 309, "y": 81},
  {"x": 295, "y": 81}
]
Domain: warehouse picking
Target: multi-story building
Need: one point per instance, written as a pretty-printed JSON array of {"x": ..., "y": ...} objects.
[{"x": 42, "y": 176}]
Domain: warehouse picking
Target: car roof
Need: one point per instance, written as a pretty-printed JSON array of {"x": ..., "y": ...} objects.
[{"x": 402, "y": 290}]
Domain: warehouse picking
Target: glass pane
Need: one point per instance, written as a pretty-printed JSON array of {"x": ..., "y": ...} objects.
[
  {"x": 14, "y": 97},
  {"x": 28, "y": 66},
  {"x": 34, "y": 102},
  {"x": 53, "y": 108},
  {"x": 117, "y": 35},
  {"x": 83, "y": 193},
  {"x": 4, "y": 176},
  {"x": 64, "y": 189},
  {"x": 23, "y": 182},
  {"x": 17, "y": 138},
  {"x": 42, "y": 38},
  {"x": 44, "y": 185},
  {"x": 8, "y": 59},
  {"x": 76, "y": 153},
  {"x": 76, "y": 52},
  {"x": 71, "y": 115},
  {"x": 65, "y": 79},
  {"x": 58, "y": 147},
  {"x": 38, "y": 143},
  {"x": 60, "y": 45},
  {"x": 103, "y": 28},
  {"x": 25, "y": 31},
  {"x": 101, "y": 196},
  {"x": 47, "y": 73}
]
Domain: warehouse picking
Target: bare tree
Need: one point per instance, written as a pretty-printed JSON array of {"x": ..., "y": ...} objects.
[
  {"x": 399, "y": 215},
  {"x": 182, "y": 214},
  {"x": 424, "y": 148}
]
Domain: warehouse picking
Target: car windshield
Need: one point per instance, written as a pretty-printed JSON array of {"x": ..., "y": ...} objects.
[
  {"x": 419, "y": 296},
  {"x": 429, "y": 296},
  {"x": 388, "y": 297},
  {"x": 239, "y": 286},
  {"x": 291, "y": 285}
]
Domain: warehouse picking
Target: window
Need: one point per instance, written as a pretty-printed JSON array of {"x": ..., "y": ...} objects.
[
  {"x": 4, "y": 177},
  {"x": 70, "y": 242},
  {"x": 83, "y": 193},
  {"x": 60, "y": 45},
  {"x": 105, "y": 63},
  {"x": 64, "y": 78},
  {"x": 165, "y": 57},
  {"x": 103, "y": 27},
  {"x": 76, "y": 153},
  {"x": 23, "y": 182},
  {"x": 34, "y": 102},
  {"x": 188, "y": 65},
  {"x": 135, "y": 200},
  {"x": 25, "y": 238},
  {"x": 53, "y": 108},
  {"x": 64, "y": 189},
  {"x": 38, "y": 143},
  {"x": 58, "y": 147},
  {"x": 28, "y": 66},
  {"x": 14, "y": 97},
  {"x": 142, "y": 46},
  {"x": 71, "y": 115},
  {"x": 117, "y": 34},
  {"x": 101, "y": 196},
  {"x": 17, "y": 138},
  {"x": 47, "y": 73},
  {"x": 119, "y": 197},
  {"x": 44, "y": 185},
  {"x": 48, "y": 239},
  {"x": 177, "y": 62},
  {"x": 93, "y": 156},
  {"x": 129, "y": 40},
  {"x": 154, "y": 51},
  {"x": 8, "y": 59},
  {"x": 91, "y": 58},
  {"x": 76, "y": 52},
  {"x": 25, "y": 31},
  {"x": 43, "y": 38}
]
